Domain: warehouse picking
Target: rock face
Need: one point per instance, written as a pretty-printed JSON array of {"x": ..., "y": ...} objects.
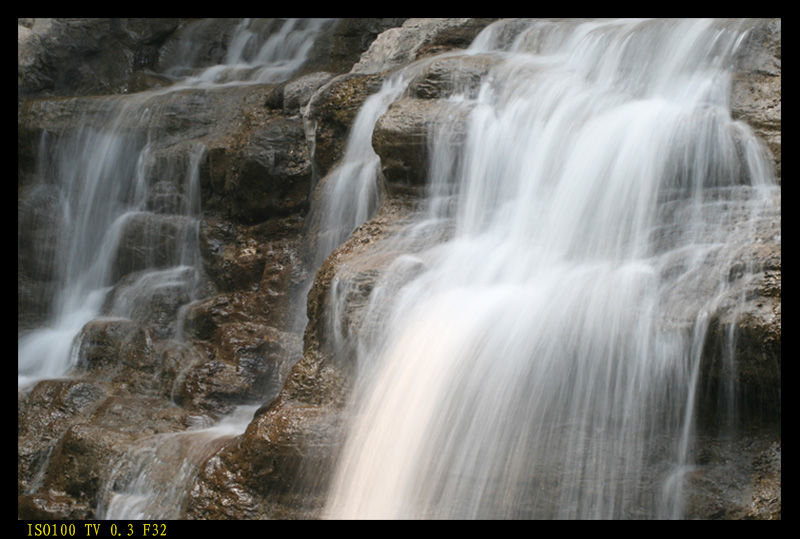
[
  {"x": 53, "y": 52},
  {"x": 257, "y": 326},
  {"x": 240, "y": 332}
]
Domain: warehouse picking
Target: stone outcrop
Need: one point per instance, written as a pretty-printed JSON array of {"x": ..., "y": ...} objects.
[
  {"x": 255, "y": 174},
  {"x": 418, "y": 38},
  {"x": 86, "y": 56},
  {"x": 245, "y": 340},
  {"x": 756, "y": 92}
]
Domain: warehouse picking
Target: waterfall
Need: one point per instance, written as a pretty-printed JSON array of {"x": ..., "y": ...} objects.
[
  {"x": 115, "y": 218},
  {"x": 128, "y": 195},
  {"x": 543, "y": 361},
  {"x": 155, "y": 481},
  {"x": 259, "y": 51},
  {"x": 523, "y": 332},
  {"x": 127, "y": 213},
  {"x": 350, "y": 194}
]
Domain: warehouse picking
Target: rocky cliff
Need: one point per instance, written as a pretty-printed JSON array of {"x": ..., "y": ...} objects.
[{"x": 256, "y": 327}]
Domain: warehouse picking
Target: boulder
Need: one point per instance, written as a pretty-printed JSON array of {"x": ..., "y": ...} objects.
[
  {"x": 402, "y": 137},
  {"x": 451, "y": 75},
  {"x": 277, "y": 469},
  {"x": 271, "y": 176},
  {"x": 297, "y": 93},
  {"x": 86, "y": 56},
  {"x": 418, "y": 38},
  {"x": 44, "y": 413},
  {"x": 331, "y": 112},
  {"x": 247, "y": 363}
]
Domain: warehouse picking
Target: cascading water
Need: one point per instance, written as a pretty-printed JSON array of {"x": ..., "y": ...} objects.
[
  {"x": 166, "y": 465},
  {"x": 128, "y": 205},
  {"x": 260, "y": 51},
  {"x": 351, "y": 193},
  {"x": 115, "y": 193},
  {"x": 112, "y": 223},
  {"x": 543, "y": 362},
  {"x": 155, "y": 481}
]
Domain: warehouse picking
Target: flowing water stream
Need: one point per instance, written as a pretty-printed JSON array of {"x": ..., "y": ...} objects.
[
  {"x": 117, "y": 193},
  {"x": 154, "y": 482},
  {"x": 543, "y": 362},
  {"x": 128, "y": 221}
]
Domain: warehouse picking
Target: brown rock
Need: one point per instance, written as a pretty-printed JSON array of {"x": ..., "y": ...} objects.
[
  {"x": 332, "y": 110},
  {"x": 402, "y": 135},
  {"x": 51, "y": 506},
  {"x": 248, "y": 364},
  {"x": 756, "y": 91},
  {"x": 44, "y": 414}
]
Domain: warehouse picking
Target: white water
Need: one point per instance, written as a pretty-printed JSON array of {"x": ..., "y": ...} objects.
[
  {"x": 156, "y": 479},
  {"x": 259, "y": 51},
  {"x": 351, "y": 192},
  {"x": 543, "y": 365},
  {"x": 106, "y": 178},
  {"x": 531, "y": 370},
  {"x": 103, "y": 180},
  {"x": 110, "y": 176}
]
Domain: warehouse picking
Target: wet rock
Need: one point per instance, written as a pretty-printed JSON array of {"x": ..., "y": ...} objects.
[
  {"x": 743, "y": 348},
  {"x": 417, "y": 38},
  {"x": 274, "y": 173},
  {"x": 281, "y": 465},
  {"x": 125, "y": 353},
  {"x": 249, "y": 150},
  {"x": 277, "y": 469},
  {"x": 141, "y": 415},
  {"x": 40, "y": 226},
  {"x": 451, "y": 75},
  {"x": 82, "y": 460},
  {"x": 352, "y": 269},
  {"x": 44, "y": 414},
  {"x": 247, "y": 364},
  {"x": 736, "y": 478},
  {"x": 150, "y": 240},
  {"x": 756, "y": 90},
  {"x": 257, "y": 269},
  {"x": 402, "y": 136},
  {"x": 297, "y": 93},
  {"x": 34, "y": 301},
  {"x": 255, "y": 164},
  {"x": 742, "y": 368},
  {"x": 82, "y": 456},
  {"x": 100, "y": 342},
  {"x": 239, "y": 343},
  {"x": 175, "y": 360},
  {"x": 86, "y": 56},
  {"x": 154, "y": 298},
  {"x": 40, "y": 223},
  {"x": 331, "y": 112},
  {"x": 51, "y": 506},
  {"x": 205, "y": 318},
  {"x": 345, "y": 43}
]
